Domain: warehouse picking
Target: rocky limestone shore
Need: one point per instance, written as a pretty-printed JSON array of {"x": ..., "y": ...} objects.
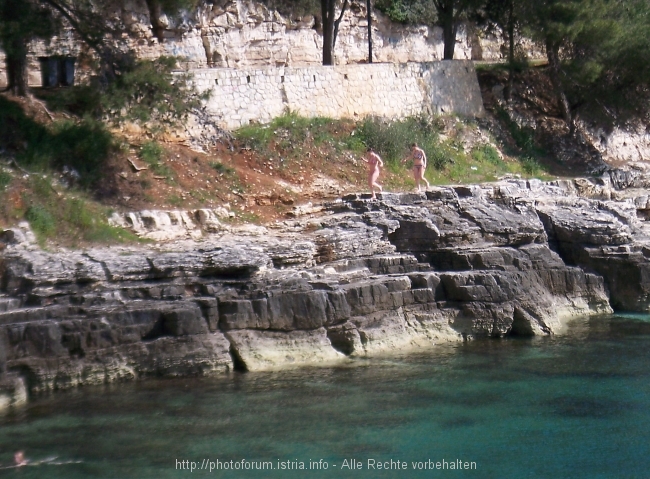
[{"x": 359, "y": 278}]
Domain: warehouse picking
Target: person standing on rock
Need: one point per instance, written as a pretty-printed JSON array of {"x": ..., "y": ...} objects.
[
  {"x": 419, "y": 164},
  {"x": 374, "y": 164}
]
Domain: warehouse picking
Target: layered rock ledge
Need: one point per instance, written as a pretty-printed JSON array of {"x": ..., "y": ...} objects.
[{"x": 365, "y": 277}]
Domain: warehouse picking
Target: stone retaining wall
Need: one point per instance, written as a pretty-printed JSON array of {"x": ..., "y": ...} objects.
[{"x": 241, "y": 96}]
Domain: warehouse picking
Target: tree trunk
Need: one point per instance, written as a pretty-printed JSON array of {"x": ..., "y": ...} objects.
[
  {"x": 16, "y": 61},
  {"x": 448, "y": 31},
  {"x": 154, "y": 16},
  {"x": 338, "y": 22},
  {"x": 511, "y": 51},
  {"x": 368, "y": 7},
  {"x": 327, "y": 10},
  {"x": 552, "y": 53}
]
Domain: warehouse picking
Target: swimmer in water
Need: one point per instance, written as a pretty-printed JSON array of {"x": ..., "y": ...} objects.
[
  {"x": 419, "y": 164},
  {"x": 374, "y": 164},
  {"x": 19, "y": 459}
]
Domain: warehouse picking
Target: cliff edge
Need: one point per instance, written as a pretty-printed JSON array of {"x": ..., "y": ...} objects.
[{"x": 363, "y": 277}]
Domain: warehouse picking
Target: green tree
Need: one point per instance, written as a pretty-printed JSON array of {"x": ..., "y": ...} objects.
[
  {"x": 22, "y": 21},
  {"x": 330, "y": 27},
  {"x": 504, "y": 15},
  {"x": 591, "y": 45},
  {"x": 555, "y": 24},
  {"x": 450, "y": 13}
]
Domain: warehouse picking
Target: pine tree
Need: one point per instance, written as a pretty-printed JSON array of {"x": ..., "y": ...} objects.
[
  {"x": 450, "y": 13},
  {"x": 22, "y": 21}
]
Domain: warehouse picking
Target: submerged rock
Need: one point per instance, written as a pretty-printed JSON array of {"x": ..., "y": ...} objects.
[{"x": 405, "y": 271}]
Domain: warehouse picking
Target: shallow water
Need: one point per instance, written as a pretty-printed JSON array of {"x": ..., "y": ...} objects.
[{"x": 572, "y": 406}]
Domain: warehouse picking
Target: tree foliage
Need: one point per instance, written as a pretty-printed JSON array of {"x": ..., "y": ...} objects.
[
  {"x": 412, "y": 12},
  {"x": 450, "y": 13},
  {"x": 505, "y": 16},
  {"x": 597, "y": 50},
  {"x": 22, "y": 21}
]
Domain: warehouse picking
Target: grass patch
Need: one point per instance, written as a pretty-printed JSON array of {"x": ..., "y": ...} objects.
[
  {"x": 5, "y": 179},
  {"x": 73, "y": 220},
  {"x": 248, "y": 217},
  {"x": 41, "y": 221},
  {"x": 448, "y": 161},
  {"x": 392, "y": 140},
  {"x": 176, "y": 201},
  {"x": 530, "y": 166},
  {"x": 289, "y": 132},
  {"x": 486, "y": 154},
  {"x": 152, "y": 154},
  {"x": 221, "y": 168}
]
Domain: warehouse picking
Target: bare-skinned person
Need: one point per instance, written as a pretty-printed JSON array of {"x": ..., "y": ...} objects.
[
  {"x": 19, "y": 459},
  {"x": 374, "y": 164},
  {"x": 419, "y": 164}
]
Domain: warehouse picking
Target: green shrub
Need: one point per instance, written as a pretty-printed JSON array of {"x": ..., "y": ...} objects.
[
  {"x": 354, "y": 143},
  {"x": 294, "y": 8},
  {"x": 530, "y": 166},
  {"x": 486, "y": 154},
  {"x": 438, "y": 156},
  {"x": 392, "y": 140},
  {"x": 83, "y": 145},
  {"x": 523, "y": 136},
  {"x": 41, "y": 221},
  {"x": 147, "y": 92},
  {"x": 152, "y": 154},
  {"x": 77, "y": 214},
  {"x": 80, "y": 100},
  {"x": 288, "y": 130},
  {"x": 5, "y": 179},
  {"x": 15, "y": 126},
  {"x": 408, "y": 11},
  {"x": 221, "y": 168},
  {"x": 151, "y": 92},
  {"x": 255, "y": 136}
]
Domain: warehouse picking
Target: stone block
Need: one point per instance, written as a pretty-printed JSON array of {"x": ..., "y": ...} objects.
[
  {"x": 302, "y": 310},
  {"x": 184, "y": 322},
  {"x": 240, "y": 314}
]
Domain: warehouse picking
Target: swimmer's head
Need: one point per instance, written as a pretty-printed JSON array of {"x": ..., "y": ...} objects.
[
  {"x": 414, "y": 145},
  {"x": 19, "y": 458}
]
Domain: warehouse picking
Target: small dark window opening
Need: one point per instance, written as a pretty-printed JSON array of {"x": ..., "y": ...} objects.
[
  {"x": 57, "y": 71},
  {"x": 248, "y": 79}
]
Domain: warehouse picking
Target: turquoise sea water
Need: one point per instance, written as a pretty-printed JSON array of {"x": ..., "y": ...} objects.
[{"x": 570, "y": 406}]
